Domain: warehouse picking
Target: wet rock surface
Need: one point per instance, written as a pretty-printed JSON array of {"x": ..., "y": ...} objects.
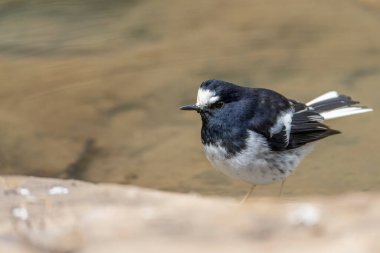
[{"x": 51, "y": 215}]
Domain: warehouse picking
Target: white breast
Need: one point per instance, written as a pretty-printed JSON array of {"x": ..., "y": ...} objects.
[{"x": 256, "y": 164}]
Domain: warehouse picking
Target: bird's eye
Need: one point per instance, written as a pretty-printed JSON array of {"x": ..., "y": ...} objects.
[{"x": 217, "y": 105}]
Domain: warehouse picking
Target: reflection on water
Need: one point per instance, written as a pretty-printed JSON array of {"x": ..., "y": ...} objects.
[{"x": 92, "y": 91}]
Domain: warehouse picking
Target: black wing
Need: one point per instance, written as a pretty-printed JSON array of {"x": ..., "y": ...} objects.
[
  {"x": 268, "y": 108},
  {"x": 306, "y": 123},
  {"x": 306, "y": 126}
]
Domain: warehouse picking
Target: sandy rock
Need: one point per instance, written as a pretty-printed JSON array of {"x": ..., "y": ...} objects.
[{"x": 71, "y": 216}]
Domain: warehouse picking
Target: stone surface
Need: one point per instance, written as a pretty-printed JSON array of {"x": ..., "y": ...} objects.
[{"x": 50, "y": 215}]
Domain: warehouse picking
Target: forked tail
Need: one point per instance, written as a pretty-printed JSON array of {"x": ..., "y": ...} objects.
[{"x": 332, "y": 105}]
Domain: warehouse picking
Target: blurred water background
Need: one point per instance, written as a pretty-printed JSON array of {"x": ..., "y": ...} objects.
[{"x": 91, "y": 89}]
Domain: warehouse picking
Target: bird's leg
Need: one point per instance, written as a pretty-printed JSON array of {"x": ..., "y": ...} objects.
[
  {"x": 248, "y": 194},
  {"x": 282, "y": 187}
]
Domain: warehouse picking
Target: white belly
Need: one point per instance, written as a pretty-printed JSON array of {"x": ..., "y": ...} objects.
[{"x": 256, "y": 164}]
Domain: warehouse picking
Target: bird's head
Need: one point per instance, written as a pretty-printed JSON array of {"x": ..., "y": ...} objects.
[{"x": 218, "y": 99}]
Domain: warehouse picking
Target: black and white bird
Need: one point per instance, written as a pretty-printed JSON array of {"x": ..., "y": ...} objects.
[{"x": 259, "y": 136}]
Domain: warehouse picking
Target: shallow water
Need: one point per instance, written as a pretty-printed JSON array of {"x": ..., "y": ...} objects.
[{"x": 93, "y": 93}]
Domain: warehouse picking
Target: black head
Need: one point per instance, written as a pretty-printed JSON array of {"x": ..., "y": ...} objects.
[
  {"x": 225, "y": 109},
  {"x": 213, "y": 95}
]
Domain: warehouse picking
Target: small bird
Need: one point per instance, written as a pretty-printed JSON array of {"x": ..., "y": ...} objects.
[{"x": 259, "y": 136}]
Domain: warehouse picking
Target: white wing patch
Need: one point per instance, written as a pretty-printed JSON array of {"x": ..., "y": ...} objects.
[
  {"x": 206, "y": 97},
  {"x": 284, "y": 119}
]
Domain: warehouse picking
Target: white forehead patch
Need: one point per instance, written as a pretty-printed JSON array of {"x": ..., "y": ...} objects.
[{"x": 206, "y": 97}]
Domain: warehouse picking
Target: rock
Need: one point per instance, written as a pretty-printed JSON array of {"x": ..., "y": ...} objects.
[{"x": 71, "y": 216}]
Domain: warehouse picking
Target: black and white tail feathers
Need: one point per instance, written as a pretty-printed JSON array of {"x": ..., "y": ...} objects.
[
  {"x": 332, "y": 105},
  {"x": 307, "y": 119}
]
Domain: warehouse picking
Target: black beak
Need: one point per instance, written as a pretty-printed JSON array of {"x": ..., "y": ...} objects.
[{"x": 190, "y": 108}]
